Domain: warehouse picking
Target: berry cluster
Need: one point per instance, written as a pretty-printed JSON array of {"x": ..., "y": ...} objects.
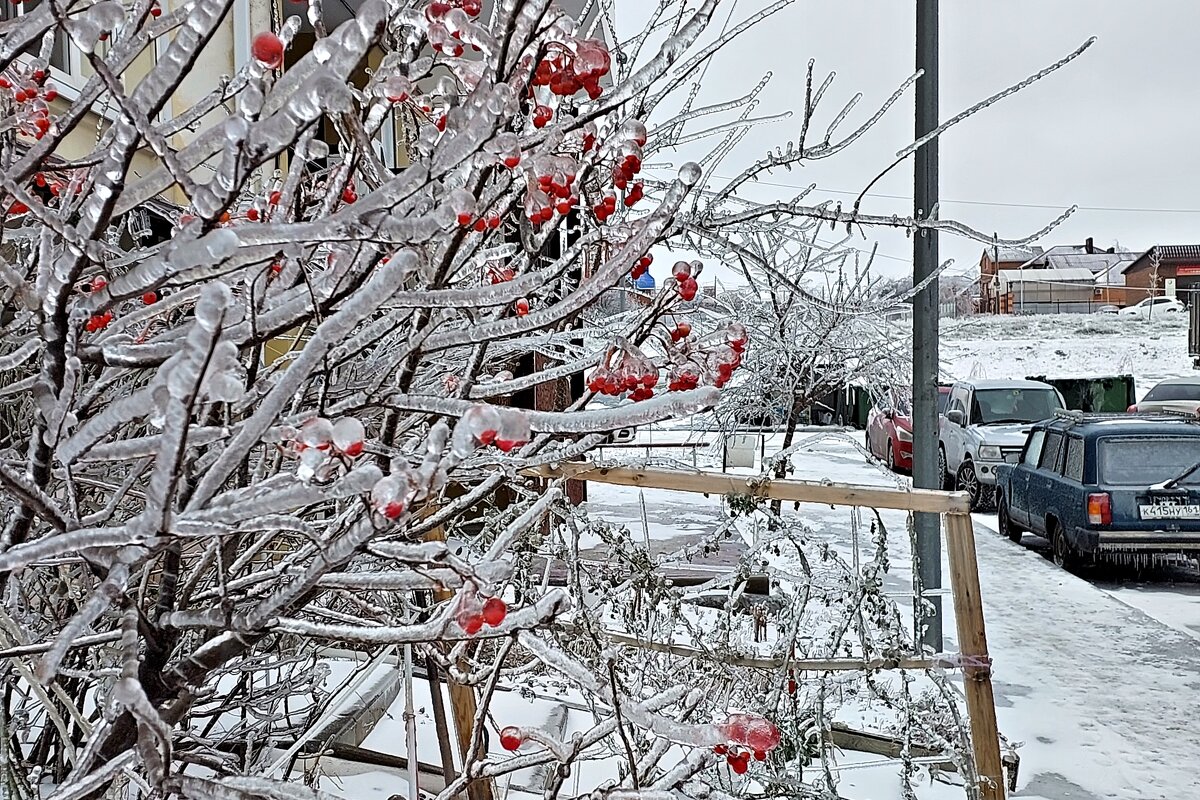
[
  {"x": 685, "y": 278},
  {"x": 746, "y": 735},
  {"x": 321, "y": 445},
  {"x": 565, "y": 73},
  {"x": 554, "y": 189},
  {"x": 625, "y": 371},
  {"x": 505, "y": 428},
  {"x": 447, "y": 21},
  {"x": 642, "y": 265},
  {"x": 738, "y": 759},
  {"x": 715, "y": 361},
  {"x": 473, "y": 612},
  {"x": 32, "y": 96}
]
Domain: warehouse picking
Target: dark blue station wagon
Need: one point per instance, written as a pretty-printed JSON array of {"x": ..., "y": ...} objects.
[{"x": 1116, "y": 487}]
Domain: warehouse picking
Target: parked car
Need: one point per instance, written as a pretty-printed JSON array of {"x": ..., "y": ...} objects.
[
  {"x": 1106, "y": 486},
  {"x": 1108, "y": 310},
  {"x": 889, "y": 428},
  {"x": 1173, "y": 394},
  {"x": 1153, "y": 307},
  {"x": 985, "y": 425}
]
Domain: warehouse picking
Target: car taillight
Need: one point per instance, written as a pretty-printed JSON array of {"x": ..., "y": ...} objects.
[
  {"x": 1132, "y": 409},
  {"x": 1099, "y": 509}
]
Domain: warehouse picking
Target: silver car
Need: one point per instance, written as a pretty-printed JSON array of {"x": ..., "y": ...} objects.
[
  {"x": 1174, "y": 394},
  {"x": 985, "y": 425}
]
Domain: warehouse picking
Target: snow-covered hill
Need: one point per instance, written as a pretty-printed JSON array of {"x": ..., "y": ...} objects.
[{"x": 1065, "y": 346}]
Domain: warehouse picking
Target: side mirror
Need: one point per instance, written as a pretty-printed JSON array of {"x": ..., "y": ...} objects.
[{"x": 956, "y": 416}]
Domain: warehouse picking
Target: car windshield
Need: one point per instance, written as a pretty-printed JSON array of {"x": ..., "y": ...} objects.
[
  {"x": 1146, "y": 460},
  {"x": 994, "y": 406},
  {"x": 903, "y": 407},
  {"x": 1165, "y": 392}
]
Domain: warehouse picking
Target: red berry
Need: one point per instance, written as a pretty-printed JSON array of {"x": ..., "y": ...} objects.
[
  {"x": 792, "y": 686},
  {"x": 150, "y": 298},
  {"x": 487, "y": 437},
  {"x": 493, "y": 222},
  {"x": 51, "y": 95},
  {"x": 471, "y": 625},
  {"x": 759, "y": 755},
  {"x": 494, "y": 611},
  {"x": 393, "y": 510},
  {"x": 267, "y": 48},
  {"x": 464, "y": 218},
  {"x": 720, "y": 749},
  {"x": 510, "y": 738},
  {"x": 252, "y": 214},
  {"x": 275, "y": 197},
  {"x": 480, "y": 224},
  {"x": 17, "y": 207},
  {"x": 353, "y": 449},
  {"x": 512, "y": 161},
  {"x": 39, "y": 75},
  {"x": 522, "y": 307},
  {"x": 507, "y": 445},
  {"x": 155, "y": 11},
  {"x": 739, "y": 764},
  {"x": 98, "y": 283},
  {"x": 349, "y": 195}
]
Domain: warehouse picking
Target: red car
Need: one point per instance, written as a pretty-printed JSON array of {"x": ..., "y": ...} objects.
[{"x": 889, "y": 428}]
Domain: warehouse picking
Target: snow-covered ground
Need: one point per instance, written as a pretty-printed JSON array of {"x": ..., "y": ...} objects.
[{"x": 1065, "y": 346}]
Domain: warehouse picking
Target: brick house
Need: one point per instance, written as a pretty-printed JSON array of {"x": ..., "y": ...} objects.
[
  {"x": 1164, "y": 269},
  {"x": 991, "y": 262}
]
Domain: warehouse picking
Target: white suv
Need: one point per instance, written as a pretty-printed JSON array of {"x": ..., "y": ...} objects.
[
  {"x": 1154, "y": 307},
  {"x": 985, "y": 425}
]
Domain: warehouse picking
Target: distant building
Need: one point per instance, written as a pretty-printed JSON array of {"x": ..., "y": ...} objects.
[
  {"x": 993, "y": 260},
  {"x": 1061, "y": 279},
  {"x": 1168, "y": 270}
]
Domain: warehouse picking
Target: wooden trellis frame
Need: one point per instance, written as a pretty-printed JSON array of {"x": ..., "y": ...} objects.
[{"x": 960, "y": 551}]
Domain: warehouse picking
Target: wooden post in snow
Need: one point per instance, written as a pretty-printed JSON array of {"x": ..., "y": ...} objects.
[
  {"x": 462, "y": 706},
  {"x": 972, "y": 646}
]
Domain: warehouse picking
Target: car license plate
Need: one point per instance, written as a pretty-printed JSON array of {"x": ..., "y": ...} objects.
[{"x": 1169, "y": 511}]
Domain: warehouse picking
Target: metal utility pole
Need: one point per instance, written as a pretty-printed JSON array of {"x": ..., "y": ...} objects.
[{"x": 926, "y": 471}]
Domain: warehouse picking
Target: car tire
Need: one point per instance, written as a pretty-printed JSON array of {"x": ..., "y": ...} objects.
[
  {"x": 1061, "y": 551},
  {"x": 946, "y": 478},
  {"x": 1005, "y": 523},
  {"x": 967, "y": 481},
  {"x": 891, "y": 457}
]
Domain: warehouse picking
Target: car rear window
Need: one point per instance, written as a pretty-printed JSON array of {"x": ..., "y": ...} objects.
[
  {"x": 1146, "y": 460},
  {"x": 1174, "y": 391}
]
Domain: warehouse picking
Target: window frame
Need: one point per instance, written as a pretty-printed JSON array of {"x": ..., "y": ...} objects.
[
  {"x": 1059, "y": 437},
  {"x": 1036, "y": 441},
  {"x": 1074, "y": 444}
]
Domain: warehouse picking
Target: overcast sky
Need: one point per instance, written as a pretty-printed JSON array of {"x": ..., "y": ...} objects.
[{"x": 1119, "y": 128}]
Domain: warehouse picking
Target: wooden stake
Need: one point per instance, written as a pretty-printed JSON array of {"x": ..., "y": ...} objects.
[
  {"x": 972, "y": 645},
  {"x": 462, "y": 704}
]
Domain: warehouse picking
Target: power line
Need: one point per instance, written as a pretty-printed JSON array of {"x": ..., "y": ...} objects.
[{"x": 944, "y": 201}]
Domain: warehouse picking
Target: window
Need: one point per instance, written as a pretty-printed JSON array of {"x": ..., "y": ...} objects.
[
  {"x": 943, "y": 398},
  {"x": 994, "y": 406},
  {"x": 1073, "y": 467},
  {"x": 60, "y": 54},
  {"x": 1143, "y": 461},
  {"x": 1033, "y": 448},
  {"x": 1173, "y": 391},
  {"x": 1051, "y": 452}
]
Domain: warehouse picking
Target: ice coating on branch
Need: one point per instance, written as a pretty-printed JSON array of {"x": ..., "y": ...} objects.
[
  {"x": 751, "y": 730},
  {"x": 690, "y": 173}
]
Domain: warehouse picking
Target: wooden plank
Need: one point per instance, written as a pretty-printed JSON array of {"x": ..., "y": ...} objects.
[
  {"x": 797, "y": 664},
  {"x": 883, "y": 745},
  {"x": 972, "y": 645},
  {"x": 830, "y": 494}
]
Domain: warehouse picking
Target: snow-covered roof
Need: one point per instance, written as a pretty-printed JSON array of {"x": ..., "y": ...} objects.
[
  {"x": 1008, "y": 253},
  {"x": 1069, "y": 256},
  {"x": 1065, "y": 275}
]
